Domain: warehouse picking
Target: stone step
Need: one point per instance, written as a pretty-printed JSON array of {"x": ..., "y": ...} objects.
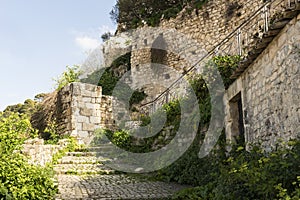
[
  {"x": 82, "y": 169},
  {"x": 82, "y": 160},
  {"x": 98, "y": 148},
  {"x": 81, "y": 154}
]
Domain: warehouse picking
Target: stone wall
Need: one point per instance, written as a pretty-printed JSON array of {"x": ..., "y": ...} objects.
[
  {"x": 81, "y": 109},
  {"x": 208, "y": 27},
  {"x": 40, "y": 154},
  {"x": 107, "y": 112},
  {"x": 270, "y": 92},
  {"x": 192, "y": 35}
]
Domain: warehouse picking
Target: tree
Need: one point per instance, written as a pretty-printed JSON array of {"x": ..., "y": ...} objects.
[
  {"x": 106, "y": 36},
  {"x": 131, "y": 14}
]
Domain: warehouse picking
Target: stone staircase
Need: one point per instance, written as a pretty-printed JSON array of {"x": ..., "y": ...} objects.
[
  {"x": 83, "y": 175},
  {"x": 82, "y": 162}
]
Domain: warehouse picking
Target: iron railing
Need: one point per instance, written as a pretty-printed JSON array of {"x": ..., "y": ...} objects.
[{"x": 239, "y": 42}]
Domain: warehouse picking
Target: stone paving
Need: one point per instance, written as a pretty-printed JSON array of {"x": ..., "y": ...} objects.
[{"x": 82, "y": 175}]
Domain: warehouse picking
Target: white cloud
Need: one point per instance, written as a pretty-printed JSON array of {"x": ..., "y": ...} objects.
[
  {"x": 91, "y": 39},
  {"x": 87, "y": 43}
]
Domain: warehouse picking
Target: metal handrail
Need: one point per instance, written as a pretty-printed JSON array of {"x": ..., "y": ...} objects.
[{"x": 265, "y": 8}]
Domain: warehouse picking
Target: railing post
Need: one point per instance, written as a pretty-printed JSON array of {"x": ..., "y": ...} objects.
[
  {"x": 239, "y": 42},
  {"x": 266, "y": 19},
  {"x": 167, "y": 96},
  {"x": 217, "y": 50}
]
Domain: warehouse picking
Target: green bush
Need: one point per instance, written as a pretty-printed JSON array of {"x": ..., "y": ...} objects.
[
  {"x": 251, "y": 175},
  {"x": 226, "y": 66},
  {"x": 19, "y": 179},
  {"x": 14, "y": 130}
]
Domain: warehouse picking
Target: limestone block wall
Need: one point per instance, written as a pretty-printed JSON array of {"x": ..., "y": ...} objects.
[
  {"x": 80, "y": 104},
  {"x": 270, "y": 92},
  {"x": 40, "y": 154}
]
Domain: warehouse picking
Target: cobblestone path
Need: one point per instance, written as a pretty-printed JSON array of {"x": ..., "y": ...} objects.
[{"x": 82, "y": 175}]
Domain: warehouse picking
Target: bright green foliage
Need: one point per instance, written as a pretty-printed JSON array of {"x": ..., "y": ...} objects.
[
  {"x": 18, "y": 179},
  {"x": 69, "y": 76},
  {"x": 121, "y": 139},
  {"x": 14, "y": 130}
]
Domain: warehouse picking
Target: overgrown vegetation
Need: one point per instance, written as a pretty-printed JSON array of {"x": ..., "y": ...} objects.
[
  {"x": 19, "y": 179},
  {"x": 28, "y": 107},
  {"x": 226, "y": 66},
  {"x": 239, "y": 174},
  {"x": 109, "y": 77},
  {"x": 126, "y": 141},
  {"x": 246, "y": 175},
  {"x": 71, "y": 75},
  {"x": 71, "y": 146},
  {"x": 132, "y": 14}
]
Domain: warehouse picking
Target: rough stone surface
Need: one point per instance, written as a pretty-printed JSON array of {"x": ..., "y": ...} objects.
[
  {"x": 189, "y": 37},
  {"x": 40, "y": 154},
  {"x": 82, "y": 175},
  {"x": 270, "y": 92}
]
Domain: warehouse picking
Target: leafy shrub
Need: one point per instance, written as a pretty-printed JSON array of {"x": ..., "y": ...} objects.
[
  {"x": 14, "y": 130},
  {"x": 18, "y": 179},
  {"x": 51, "y": 132},
  {"x": 69, "y": 76},
  {"x": 108, "y": 82},
  {"x": 226, "y": 66},
  {"x": 251, "y": 175}
]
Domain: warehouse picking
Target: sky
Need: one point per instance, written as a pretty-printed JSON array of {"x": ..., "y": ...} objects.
[{"x": 39, "y": 38}]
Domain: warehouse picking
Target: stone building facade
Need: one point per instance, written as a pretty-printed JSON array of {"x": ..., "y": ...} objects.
[
  {"x": 268, "y": 92},
  {"x": 263, "y": 103}
]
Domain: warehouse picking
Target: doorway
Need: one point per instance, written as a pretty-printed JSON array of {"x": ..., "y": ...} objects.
[{"x": 237, "y": 127}]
